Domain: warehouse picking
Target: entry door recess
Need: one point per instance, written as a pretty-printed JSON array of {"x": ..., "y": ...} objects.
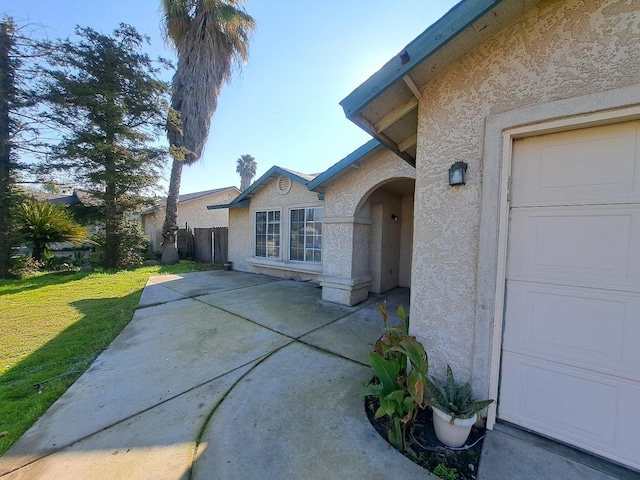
[{"x": 571, "y": 345}]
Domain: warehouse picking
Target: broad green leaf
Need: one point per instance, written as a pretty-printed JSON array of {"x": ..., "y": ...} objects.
[
  {"x": 386, "y": 370},
  {"x": 388, "y": 406},
  {"x": 397, "y": 396},
  {"x": 416, "y": 354}
]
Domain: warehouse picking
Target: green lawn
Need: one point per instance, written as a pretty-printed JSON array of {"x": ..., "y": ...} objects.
[{"x": 52, "y": 327}]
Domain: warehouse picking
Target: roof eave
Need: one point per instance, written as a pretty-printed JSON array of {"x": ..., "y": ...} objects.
[
  {"x": 275, "y": 170},
  {"x": 350, "y": 159},
  {"x": 243, "y": 203},
  {"x": 459, "y": 18}
]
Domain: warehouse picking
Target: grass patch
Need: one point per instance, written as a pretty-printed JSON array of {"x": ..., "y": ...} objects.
[{"x": 53, "y": 327}]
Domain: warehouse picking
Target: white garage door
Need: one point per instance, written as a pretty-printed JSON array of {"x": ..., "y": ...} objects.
[{"x": 571, "y": 345}]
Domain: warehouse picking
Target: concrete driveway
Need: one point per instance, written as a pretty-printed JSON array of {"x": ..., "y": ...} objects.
[
  {"x": 221, "y": 375},
  {"x": 228, "y": 375}
]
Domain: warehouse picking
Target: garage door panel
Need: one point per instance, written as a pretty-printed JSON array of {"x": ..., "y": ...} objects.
[
  {"x": 570, "y": 356},
  {"x": 595, "y": 165},
  {"x": 596, "y": 413},
  {"x": 565, "y": 244},
  {"x": 596, "y": 330}
]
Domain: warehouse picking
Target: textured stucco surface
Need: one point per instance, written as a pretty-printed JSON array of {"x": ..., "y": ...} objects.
[
  {"x": 193, "y": 213},
  {"x": 351, "y": 189},
  {"x": 351, "y": 250},
  {"x": 559, "y": 50},
  {"x": 241, "y": 232}
]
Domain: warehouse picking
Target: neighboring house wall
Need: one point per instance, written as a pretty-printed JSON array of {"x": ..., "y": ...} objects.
[
  {"x": 543, "y": 66},
  {"x": 242, "y": 232},
  {"x": 193, "y": 213},
  {"x": 363, "y": 252}
]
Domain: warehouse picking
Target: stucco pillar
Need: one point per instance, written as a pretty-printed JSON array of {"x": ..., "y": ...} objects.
[{"x": 345, "y": 278}]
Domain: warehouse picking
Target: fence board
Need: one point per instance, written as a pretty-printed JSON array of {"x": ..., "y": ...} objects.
[
  {"x": 221, "y": 244},
  {"x": 203, "y": 245},
  {"x": 185, "y": 243}
]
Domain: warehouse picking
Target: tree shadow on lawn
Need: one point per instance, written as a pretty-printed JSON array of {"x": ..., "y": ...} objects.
[
  {"x": 32, "y": 385},
  {"x": 12, "y": 286}
]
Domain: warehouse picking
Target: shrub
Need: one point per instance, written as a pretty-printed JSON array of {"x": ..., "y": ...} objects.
[
  {"x": 132, "y": 244},
  {"x": 22, "y": 266}
]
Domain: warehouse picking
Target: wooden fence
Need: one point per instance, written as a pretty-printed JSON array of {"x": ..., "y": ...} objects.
[{"x": 208, "y": 245}]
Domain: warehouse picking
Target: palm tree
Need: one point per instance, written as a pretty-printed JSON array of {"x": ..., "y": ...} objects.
[
  {"x": 211, "y": 37},
  {"x": 43, "y": 223},
  {"x": 246, "y": 167}
]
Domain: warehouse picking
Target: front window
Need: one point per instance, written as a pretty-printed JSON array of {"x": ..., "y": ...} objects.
[
  {"x": 306, "y": 235},
  {"x": 268, "y": 234}
]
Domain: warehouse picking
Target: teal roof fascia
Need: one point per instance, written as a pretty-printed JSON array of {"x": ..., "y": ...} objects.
[
  {"x": 244, "y": 198},
  {"x": 234, "y": 204},
  {"x": 422, "y": 47},
  {"x": 342, "y": 164}
]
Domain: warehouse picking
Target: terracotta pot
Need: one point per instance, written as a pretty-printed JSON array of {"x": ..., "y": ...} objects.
[{"x": 452, "y": 434}]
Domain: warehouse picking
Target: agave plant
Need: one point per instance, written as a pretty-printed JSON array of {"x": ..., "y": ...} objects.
[{"x": 453, "y": 399}]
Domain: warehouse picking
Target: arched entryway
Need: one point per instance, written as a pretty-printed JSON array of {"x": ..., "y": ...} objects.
[{"x": 389, "y": 209}]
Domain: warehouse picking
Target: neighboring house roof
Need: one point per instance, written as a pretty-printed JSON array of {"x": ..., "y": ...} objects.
[
  {"x": 243, "y": 199},
  {"x": 188, "y": 197},
  {"x": 87, "y": 198},
  {"x": 56, "y": 198},
  {"x": 77, "y": 197},
  {"x": 386, "y": 105}
]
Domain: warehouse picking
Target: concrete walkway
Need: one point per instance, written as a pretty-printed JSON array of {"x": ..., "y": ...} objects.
[{"x": 226, "y": 375}]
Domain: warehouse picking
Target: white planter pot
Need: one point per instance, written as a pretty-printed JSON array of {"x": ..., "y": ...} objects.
[{"x": 452, "y": 434}]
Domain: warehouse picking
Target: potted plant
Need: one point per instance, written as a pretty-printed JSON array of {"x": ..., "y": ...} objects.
[{"x": 454, "y": 411}]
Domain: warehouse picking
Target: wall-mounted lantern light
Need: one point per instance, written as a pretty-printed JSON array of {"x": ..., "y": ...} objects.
[
  {"x": 394, "y": 217},
  {"x": 457, "y": 173}
]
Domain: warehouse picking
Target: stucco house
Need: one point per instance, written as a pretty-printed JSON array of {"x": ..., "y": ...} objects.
[
  {"x": 525, "y": 278},
  {"x": 191, "y": 213},
  {"x": 348, "y": 229}
]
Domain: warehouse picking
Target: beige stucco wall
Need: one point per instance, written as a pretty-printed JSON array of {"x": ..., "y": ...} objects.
[
  {"x": 346, "y": 229},
  {"x": 241, "y": 232},
  {"x": 193, "y": 213},
  {"x": 406, "y": 241},
  {"x": 384, "y": 241},
  {"x": 348, "y": 262},
  {"x": 557, "y": 51},
  {"x": 240, "y": 238}
]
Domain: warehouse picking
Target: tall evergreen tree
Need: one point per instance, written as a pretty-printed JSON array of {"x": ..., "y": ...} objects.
[
  {"x": 17, "y": 53},
  {"x": 210, "y": 37},
  {"x": 7, "y": 95},
  {"x": 106, "y": 99}
]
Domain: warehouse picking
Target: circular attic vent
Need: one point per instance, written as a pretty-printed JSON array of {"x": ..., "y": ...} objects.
[{"x": 284, "y": 185}]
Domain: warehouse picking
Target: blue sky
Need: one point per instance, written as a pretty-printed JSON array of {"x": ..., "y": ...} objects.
[{"x": 282, "y": 108}]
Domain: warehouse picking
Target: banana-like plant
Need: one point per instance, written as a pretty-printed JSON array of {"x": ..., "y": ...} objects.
[{"x": 400, "y": 365}]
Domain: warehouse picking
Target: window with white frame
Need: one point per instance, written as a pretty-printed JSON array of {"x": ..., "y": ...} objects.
[
  {"x": 268, "y": 234},
  {"x": 306, "y": 235}
]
